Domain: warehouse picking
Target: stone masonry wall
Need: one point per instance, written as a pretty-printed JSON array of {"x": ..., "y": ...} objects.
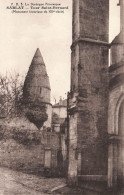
[
  {"x": 89, "y": 88},
  {"x": 19, "y": 157},
  {"x": 93, "y": 105},
  {"x": 19, "y": 153},
  {"x": 94, "y": 17}
]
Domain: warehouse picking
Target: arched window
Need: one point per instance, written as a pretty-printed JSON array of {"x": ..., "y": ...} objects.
[
  {"x": 121, "y": 119},
  {"x": 119, "y": 116}
]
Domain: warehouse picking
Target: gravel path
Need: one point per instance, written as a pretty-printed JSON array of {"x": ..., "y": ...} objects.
[{"x": 17, "y": 183}]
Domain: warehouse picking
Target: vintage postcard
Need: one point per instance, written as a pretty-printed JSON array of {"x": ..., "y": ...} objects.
[{"x": 61, "y": 97}]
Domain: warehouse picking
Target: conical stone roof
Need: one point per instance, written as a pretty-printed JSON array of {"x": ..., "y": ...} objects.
[{"x": 37, "y": 85}]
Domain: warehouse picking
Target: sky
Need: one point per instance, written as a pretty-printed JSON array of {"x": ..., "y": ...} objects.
[{"x": 22, "y": 34}]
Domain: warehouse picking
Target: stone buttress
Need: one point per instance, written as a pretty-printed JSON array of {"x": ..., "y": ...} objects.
[{"x": 88, "y": 101}]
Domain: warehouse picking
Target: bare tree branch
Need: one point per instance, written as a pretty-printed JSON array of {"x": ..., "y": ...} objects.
[{"x": 10, "y": 93}]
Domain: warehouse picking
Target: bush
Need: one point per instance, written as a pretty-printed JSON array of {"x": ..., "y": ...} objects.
[
  {"x": 37, "y": 115},
  {"x": 26, "y": 137}
]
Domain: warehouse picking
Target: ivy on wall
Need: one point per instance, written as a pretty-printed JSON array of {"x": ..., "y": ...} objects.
[{"x": 36, "y": 114}]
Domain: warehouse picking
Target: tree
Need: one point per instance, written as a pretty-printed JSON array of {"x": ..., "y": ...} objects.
[
  {"x": 10, "y": 94},
  {"x": 36, "y": 114},
  {"x": 11, "y": 100}
]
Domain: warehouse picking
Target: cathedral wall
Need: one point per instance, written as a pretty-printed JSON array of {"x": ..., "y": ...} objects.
[
  {"x": 89, "y": 19},
  {"x": 117, "y": 51},
  {"x": 74, "y": 68},
  {"x": 94, "y": 19},
  {"x": 115, "y": 149},
  {"x": 114, "y": 97},
  {"x": 76, "y": 24},
  {"x": 89, "y": 87},
  {"x": 116, "y": 86},
  {"x": 93, "y": 104}
]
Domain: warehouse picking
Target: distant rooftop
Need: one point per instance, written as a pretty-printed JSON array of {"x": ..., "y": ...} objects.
[{"x": 61, "y": 103}]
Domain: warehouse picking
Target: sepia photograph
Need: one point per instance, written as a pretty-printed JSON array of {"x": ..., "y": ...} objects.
[{"x": 61, "y": 97}]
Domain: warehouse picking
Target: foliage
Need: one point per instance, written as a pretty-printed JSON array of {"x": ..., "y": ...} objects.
[
  {"x": 37, "y": 114},
  {"x": 26, "y": 136},
  {"x": 20, "y": 135},
  {"x": 10, "y": 94}
]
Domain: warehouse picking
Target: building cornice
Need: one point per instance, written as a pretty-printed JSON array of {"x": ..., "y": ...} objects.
[{"x": 89, "y": 40}]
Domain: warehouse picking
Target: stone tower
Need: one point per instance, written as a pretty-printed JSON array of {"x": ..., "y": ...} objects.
[
  {"x": 88, "y": 99},
  {"x": 37, "y": 85},
  {"x": 116, "y": 108}
]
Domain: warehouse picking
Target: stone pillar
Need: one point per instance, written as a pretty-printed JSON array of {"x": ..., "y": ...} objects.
[
  {"x": 89, "y": 89},
  {"x": 73, "y": 161}
]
